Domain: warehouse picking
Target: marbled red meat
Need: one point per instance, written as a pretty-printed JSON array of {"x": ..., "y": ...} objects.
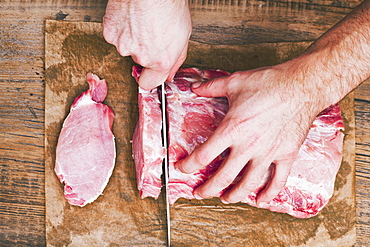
[
  {"x": 85, "y": 154},
  {"x": 310, "y": 184},
  {"x": 192, "y": 119},
  {"x": 148, "y": 151}
]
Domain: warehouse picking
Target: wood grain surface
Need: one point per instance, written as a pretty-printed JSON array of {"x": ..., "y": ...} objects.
[
  {"x": 74, "y": 48},
  {"x": 22, "y": 194}
]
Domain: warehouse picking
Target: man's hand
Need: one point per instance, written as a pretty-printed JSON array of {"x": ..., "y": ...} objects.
[
  {"x": 154, "y": 33},
  {"x": 266, "y": 124},
  {"x": 272, "y": 108}
]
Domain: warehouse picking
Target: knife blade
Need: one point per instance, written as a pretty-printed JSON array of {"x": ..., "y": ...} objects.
[{"x": 165, "y": 161}]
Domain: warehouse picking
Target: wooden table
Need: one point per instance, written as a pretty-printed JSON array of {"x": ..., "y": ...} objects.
[{"x": 22, "y": 197}]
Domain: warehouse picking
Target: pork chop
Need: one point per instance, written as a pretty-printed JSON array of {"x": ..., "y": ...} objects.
[{"x": 85, "y": 153}]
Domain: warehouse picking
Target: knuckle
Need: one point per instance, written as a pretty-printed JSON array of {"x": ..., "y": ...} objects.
[
  {"x": 164, "y": 64},
  {"x": 204, "y": 194},
  {"x": 287, "y": 158},
  {"x": 147, "y": 85},
  {"x": 279, "y": 184},
  {"x": 121, "y": 46},
  {"x": 108, "y": 21},
  {"x": 234, "y": 130},
  {"x": 201, "y": 158},
  {"x": 230, "y": 129},
  {"x": 270, "y": 195},
  {"x": 223, "y": 180},
  {"x": 109, "y": 36},
  {"x": 184, "y": 167},
  {"x": 109, "y": 30},
  {"x": 140, "y": 59},
  {"x": 235, "y": 196},
  {"x": 230, "y": 199},
  {"x": 234, "y": 78},
  {"x": 249, "y": 186},
  {"x": 144, "y": 56}
]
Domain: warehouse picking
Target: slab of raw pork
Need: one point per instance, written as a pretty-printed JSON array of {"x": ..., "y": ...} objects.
[
  {"x": 85, "y": 154},
  {"x": 148, "y": 151},
  {"x": 191, "y": 120},
  {"x": 310, "y": 184}
]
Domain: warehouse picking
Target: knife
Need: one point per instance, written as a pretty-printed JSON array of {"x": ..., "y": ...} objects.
[{"x": 165, "y": 161}]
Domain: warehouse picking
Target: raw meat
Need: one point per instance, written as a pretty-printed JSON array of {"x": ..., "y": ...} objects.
[
  {"x": 85, "y": 154},
  {"x": 148, "y": 151},
  {"x": 310, "y": 184},
  {"x": 191, "y": 120}
]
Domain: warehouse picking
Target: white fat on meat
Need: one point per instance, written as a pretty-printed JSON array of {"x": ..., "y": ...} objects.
[{"x": 148, "y": 151}]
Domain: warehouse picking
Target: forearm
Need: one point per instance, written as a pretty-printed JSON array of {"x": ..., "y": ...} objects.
[
  {"x": 144, "y": 5},
  {"x": 340, "y": 59}
]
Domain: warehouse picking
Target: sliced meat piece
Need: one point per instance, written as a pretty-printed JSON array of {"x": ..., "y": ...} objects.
[
  {"x": 85, "y": 154},
  {"x": 148, "y": 151}
]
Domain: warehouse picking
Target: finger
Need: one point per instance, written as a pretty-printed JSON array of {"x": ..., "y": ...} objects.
[
  {"x": 178, "y": 63},
  {"x": 213, "y": 88},
  {"x": 110, "y": 32},
  {"x": 277, "y": 182},
  {"x": 223, "y": 177},
  {"x": 117, "y": 38},
  {"x": 251, "y": 180},
  {"x": 208, "y": 151},
  {"x": 150, "y": 78}
]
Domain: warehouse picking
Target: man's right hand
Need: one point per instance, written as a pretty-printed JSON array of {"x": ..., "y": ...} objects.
[{"x": 154, "y": 33}]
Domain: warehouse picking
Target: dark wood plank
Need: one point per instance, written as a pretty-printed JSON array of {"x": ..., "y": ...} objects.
[
  {"x": 22, "y": 196},
  {"x": 255, "y": 21},
  {"x": 362, "y": 110}
]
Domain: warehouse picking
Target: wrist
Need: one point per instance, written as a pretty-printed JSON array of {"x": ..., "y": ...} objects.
[{"x": 309, "y": 83}]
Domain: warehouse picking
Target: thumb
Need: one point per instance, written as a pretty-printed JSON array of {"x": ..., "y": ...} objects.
[
  {"x": 213, "y": 88},
  {"x": 150, "y": 78},
  {"x": 178, "y": 63}
]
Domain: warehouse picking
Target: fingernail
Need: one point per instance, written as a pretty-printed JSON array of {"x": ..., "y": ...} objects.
[
  {"x": 178, "y": 168},
  {"x": 263, "y": 204},
  {"x": 224, "y": 202},
  {"x": 170, "y": 78},
  {"x": 196, "y": 85},
  {"x": 196, "y": 196}
]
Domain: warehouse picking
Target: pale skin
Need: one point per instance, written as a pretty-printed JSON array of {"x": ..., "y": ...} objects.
[
  {"x": 155, "y": 33},
  {"x": 271, "y": 108}
]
